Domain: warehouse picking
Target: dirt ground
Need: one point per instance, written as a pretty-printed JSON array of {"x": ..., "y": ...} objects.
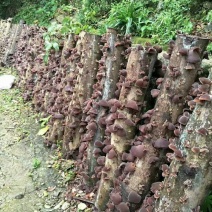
[{"x": 28, "y": 181}]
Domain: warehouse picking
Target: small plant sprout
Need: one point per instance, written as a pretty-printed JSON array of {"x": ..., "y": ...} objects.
[{"x": 36, "y": 163}]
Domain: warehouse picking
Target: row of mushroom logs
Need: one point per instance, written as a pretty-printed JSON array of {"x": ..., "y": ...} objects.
[{"x": 132, "y": 144}]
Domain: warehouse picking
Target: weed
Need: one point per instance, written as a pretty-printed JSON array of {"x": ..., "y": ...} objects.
[
  {"x": 70, "y": 175},
  {"x": 43, "y": 125},
  {"x": 44, "y": 121},
  {"x": 207, "y": 204},
  {"x": 30, "y": 174},
  {"x": 36, "y": 163},
  {"x": 127, "y": 16},
  {"x": 59, "y": 144},
  {"x": 57, "y": 165},
  {"x": 209, "y": 48},
  {"x": 51, "y": 40},
  {"x": 39, "y": 12}
]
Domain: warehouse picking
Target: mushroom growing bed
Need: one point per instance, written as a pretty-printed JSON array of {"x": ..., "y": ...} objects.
[{"x": 131, "y": 121}]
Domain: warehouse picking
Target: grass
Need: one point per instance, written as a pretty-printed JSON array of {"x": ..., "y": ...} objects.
[
  {"x": 36, "y": 163},
  {"x": 10, "y": 100},
  {"x": 12, "y": 106},
  {"x": 139, "y": 40}
]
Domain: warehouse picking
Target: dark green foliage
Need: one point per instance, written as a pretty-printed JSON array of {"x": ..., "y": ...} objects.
[
  {"x": 40, "y": 11},
  {"x": 207, "y": 204},
  {"x": 155, "y": 19},
  {"x": 8, "y": 8},
  {"x": 128, "y": 16},
  {"x": 158, "y": 19}
]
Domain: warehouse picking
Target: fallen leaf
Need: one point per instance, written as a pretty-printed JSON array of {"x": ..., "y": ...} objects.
[
  {"x": 82, "y": 206},
  {"x": 45, "y": 193},
  {"x": 90, "y": 195},
  {"x": 59, "y": 205},
  {"x": 49, "y": 189},
  {"x": 47, "y": 206},
  {"x": 43, "y": 131}
]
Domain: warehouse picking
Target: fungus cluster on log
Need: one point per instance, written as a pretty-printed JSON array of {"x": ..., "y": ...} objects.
[{"x": 139, "y": 130}]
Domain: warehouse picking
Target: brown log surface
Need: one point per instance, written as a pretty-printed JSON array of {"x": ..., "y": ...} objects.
[
  {"x": 166, "y": 110},
  {"x": 122, "y": 143},
  {"x": 113, "y": 60},
  {"x": 57, "y": 130},
  {"x": 88, "y": 48},
  {"x": 189, "y": 182}
]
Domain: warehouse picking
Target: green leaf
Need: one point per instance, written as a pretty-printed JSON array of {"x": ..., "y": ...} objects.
[
  {"x": 44, "y": 121},
  {"x": 207, "y": 204},
  {"x": 48, "y": 46},
  {"x": 46, "y": 37},
  {"x": 46, "y": 58},
  {"x": 66, "y": 20},
  {"x": 128, "y": 25},
  {"x": 36, "y": 163},
  {"x": 43, "y": 131},
  {"x": 64, "y": 30},
  {"x": 55, "y": 46}
]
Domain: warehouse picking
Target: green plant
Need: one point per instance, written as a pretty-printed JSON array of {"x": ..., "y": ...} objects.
[
  {"x": 70, "y": 175},
  {"x": 59, "y": 144},
  {"x": 127, "y": 16},
  {"x": 170, "y": 17},
  {"x": 36, "y": 163},
  {"x": 155, "y": 19},
  {"x": 209, "y": 16},
  {"x": 57, "y": 165},
  {"x": 40, "y": 12},
  {"x": 72, "y": 25},
  {"x": 43, "y": 126},
  {"x": 30, "y": 174},
  {"x": 207, "y": 204},
  {"x": 209, "y": 48},
  {"x": 44, "y": 121},
  {"x": 51, "y": 39}
]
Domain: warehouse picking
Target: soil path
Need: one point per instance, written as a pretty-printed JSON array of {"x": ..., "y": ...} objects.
[{"x": 27, "y": 181}]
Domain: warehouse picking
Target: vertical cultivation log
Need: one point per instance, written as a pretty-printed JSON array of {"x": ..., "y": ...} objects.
[
  {"x": 88, "y": 50},
  {"x": 24, "y": 58},
  {"x": 180, "y": 75},
  {"x": 40, "y": 70},
  {"x": 4, "y": 39},
  {"x": 66, "y": 67},
  {"x": 34, "y": 65},
  {"x": 123, "y": 128},
  {"x": 189, "y": 181},
  {"x": 12, "y": 42},
  {"x": 56, "y": 132},
  {"x": 73, "y": 56},
  {"x": 52, "y": 78},
  {"x": 96, "y": 108},
  {"x": 114, "y": 60},
  {"x": 41, "y": 74},
  {"x": 20, "y": 57}
]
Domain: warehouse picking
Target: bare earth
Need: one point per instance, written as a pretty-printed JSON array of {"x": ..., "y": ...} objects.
[{"x": 24, "y": 185}]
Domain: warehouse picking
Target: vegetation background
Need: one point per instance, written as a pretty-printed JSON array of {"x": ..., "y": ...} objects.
[{"x": 155, "y": 19}]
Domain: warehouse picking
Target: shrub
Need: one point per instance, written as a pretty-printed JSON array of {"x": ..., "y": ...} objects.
[
  {"x": 40, "y": 12},
  {"x": 127, "y": 16},
  {"x": 170, "y": 17}
]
